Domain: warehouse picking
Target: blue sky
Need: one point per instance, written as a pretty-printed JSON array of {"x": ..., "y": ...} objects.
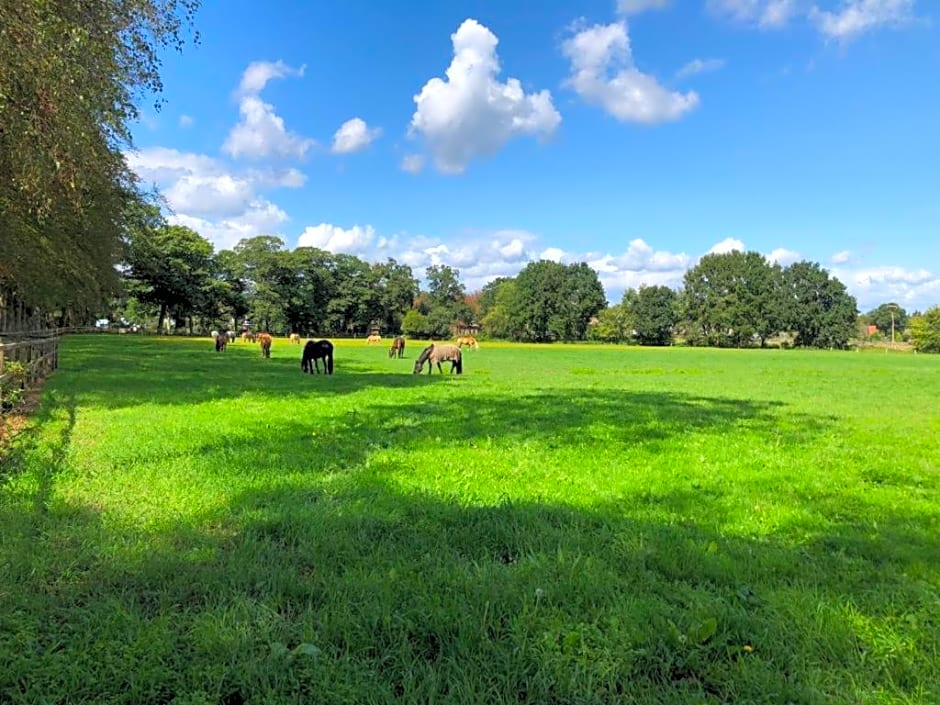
[{"x": 636, "y": 135}]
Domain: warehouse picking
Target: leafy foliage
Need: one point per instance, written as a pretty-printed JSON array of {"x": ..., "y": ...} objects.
[
  {"x": 553, "y": 301},
  {"x": 70, "y": 76},
  {"x": 925, "y": 331}
]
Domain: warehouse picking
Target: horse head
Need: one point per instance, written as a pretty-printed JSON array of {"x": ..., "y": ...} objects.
[{"x": 422, "y": 358}]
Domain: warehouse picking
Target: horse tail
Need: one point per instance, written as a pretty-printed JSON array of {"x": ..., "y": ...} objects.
[{"x": 329, "y": 362}]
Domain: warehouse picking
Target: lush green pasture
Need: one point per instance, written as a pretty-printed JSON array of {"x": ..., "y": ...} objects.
[{"x": 559, "y": 524}]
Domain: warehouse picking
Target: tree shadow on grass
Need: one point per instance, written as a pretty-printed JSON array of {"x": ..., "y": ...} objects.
[
  {"x": 315, "y": 442},
  {"x": 370, "y": 594}
]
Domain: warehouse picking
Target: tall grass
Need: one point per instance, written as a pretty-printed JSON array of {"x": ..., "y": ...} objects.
[{"x": 556, "y": 525}]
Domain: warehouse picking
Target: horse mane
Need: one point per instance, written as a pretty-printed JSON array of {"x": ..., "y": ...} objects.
[{"x": 425, "y": 354}]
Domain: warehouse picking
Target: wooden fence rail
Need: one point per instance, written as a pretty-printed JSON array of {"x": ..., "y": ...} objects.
[{"x": 34, "y": 355}]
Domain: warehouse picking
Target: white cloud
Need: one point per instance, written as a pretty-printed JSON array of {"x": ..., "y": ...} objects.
[
  {"x": 260, "y": 218},
  {"x": 767, "y": 14},
  {"x": 219, "y": 203},
  {"x": 261, "y": 132},
  {"x": 333, "y": 238},
  {"x": 697, "y": 66},
  {"x": 603, "y": 74},
  {"x": 784, "y": 257},
  {"x": 471, "y": 114},
  {"x": 635, "y": 7},
  {"x": 855, "y": 17},
  {"x": 354, "y": 135},
  {"x": 729, "y": 244},
  {"x": 222, "y": 195},
  {"x": 554, "y": 254},
  {"x": 412, "y": 163},
  {"x": 258, "y": 74},
  {"x": 186, "y": 121},
  {"x": 872, "y": 286},
  {"x": 841, "y": 257}
]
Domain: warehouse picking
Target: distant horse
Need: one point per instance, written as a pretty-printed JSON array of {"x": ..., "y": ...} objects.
[
  {"x": 295, "y": 338},
  {"x": 220, "y": 342},
  {"x": 230, "y": 334},
  {"x": 214, "y": 334},
  {"x": 374, "y": 338},
  {"x": 248, "y": 336},
  {"x": 265, "y": 340},
  {"x": 436, "y": 354},
  {"x": 314, "y": 351},
  {"x": 398, "y": 345},
  {"x": 469, "y": 341}
]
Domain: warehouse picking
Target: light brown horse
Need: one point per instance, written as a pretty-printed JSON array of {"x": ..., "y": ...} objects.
[
  {"x": 295, "y": 338},
  {"x": 467, "y": 340},
  {"x": 265, "y": 340},
  {"x": 398, "y": 346},
  {"x": 373, "y": 338},
  {"x": 436, "y": 354},
  {"x": 248, "y": 336}
]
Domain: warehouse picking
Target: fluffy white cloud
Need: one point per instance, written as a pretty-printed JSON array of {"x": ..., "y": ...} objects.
[
  {"x": 729, "y": 244},
  {"x": 471, "y": 114},
  {"x": 841, "y": 257},
  {"x": 412, "y": 163},
  {"x": 872, "y": 286},
  {"x": 603, "y": 74},
  {"x": 258, "y": 74},
  {"x": 186, "y": 121},
  {"x": 261, "y": 132},
  {"x": 697, "y": 66},
  {"x": 784, "y": 257},
  {"x": 768, "y": 14},
  {"x": 222, "y": 195},
  {"x": 855, "y": 17},
  {"x": 219, "y": 203},
  {"x": 355, "y": 240},
  {"x": 354, "y": 135},
  {"x": 260, "y": 218},
  {"x": 635, "y": 7}
]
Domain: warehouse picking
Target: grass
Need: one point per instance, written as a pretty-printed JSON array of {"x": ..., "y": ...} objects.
[{"x": 564, "y": 524}]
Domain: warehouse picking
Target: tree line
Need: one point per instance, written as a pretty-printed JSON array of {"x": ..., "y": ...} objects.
[{"x": 734, "y": 299}]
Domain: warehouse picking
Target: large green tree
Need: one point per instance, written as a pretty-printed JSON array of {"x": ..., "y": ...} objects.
[
  {"x": 655, "y": 314},
  {"x": 71, "y": 74},
  {"x": 553, "y": 301},
  {"x": 731, "y": 298},
  {"x": 171, "y": 267},
  {"x": 446, "y": 300},
  {"x": 818, "y": 308}
]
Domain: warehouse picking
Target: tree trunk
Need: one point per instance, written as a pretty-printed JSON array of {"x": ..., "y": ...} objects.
[{"x": 160, "y": 319}]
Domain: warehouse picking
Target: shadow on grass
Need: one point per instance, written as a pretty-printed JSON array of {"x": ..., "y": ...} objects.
[
  {"x": 348, "y": 589},
  {"x": 371, "y": 595}
]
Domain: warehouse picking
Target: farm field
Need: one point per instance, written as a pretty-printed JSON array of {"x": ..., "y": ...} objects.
[{"x": 560, "y": 524}]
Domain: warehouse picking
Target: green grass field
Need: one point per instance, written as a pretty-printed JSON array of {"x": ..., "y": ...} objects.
[{"x": 564, "y": 524}]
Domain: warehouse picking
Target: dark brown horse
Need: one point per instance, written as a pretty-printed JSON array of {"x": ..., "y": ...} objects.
[
  {"x": 398, "y": 346},
  {"x": 317, "y": 350},
  {"x": 265, "y": 340},
  {"x": 221, "y": 340},
  {"x": 436, "y": 354}
]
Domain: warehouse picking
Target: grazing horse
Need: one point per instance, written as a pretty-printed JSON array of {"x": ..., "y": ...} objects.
[
  {"x": 467, "y": 340},
  {"x": 436, "y": 354},
  {"x": 398, "y": 345},
  {"x": 248, "y": 336},
  {"x": 220, "y": 342},
  {"x": 230, "y": 334},
  {"x": 265, "y": 340},
  {"x": 314, "y": 351},
  {"x": 214, "y": 334},
  {"x": 373, "y": 338},
  {"x": 295, "y": 338}
]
